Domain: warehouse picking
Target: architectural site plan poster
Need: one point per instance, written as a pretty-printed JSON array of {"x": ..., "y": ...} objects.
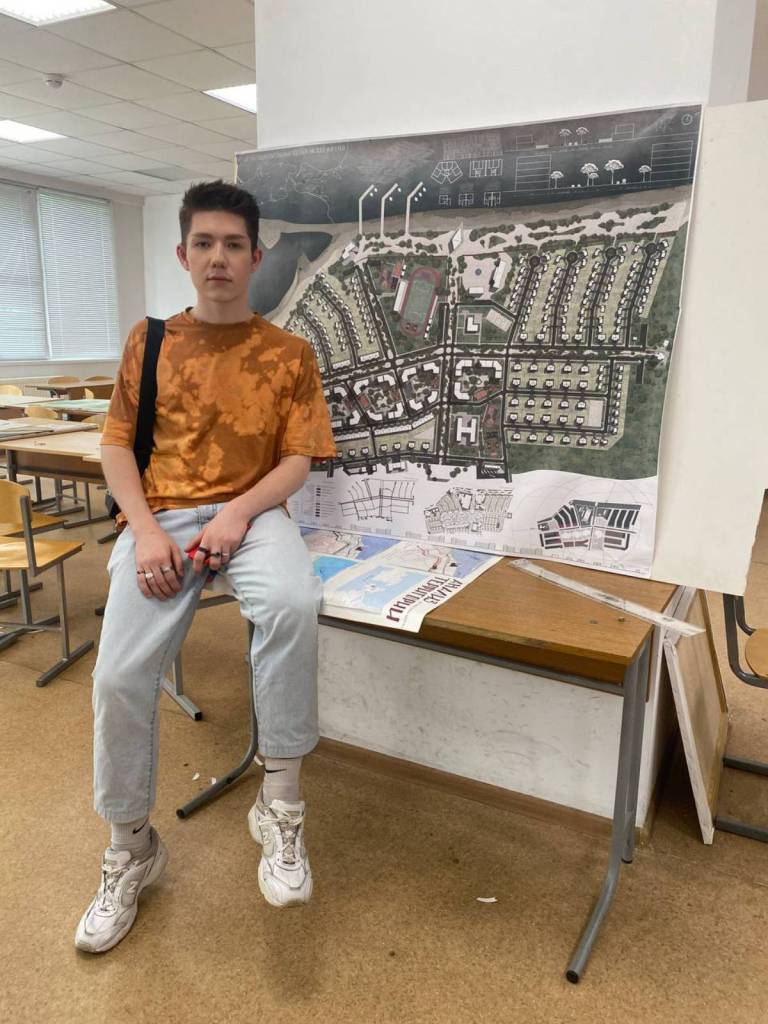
[{"x": 493, "y": 313}]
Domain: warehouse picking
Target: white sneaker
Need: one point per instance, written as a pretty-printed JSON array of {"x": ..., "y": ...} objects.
[
  {"x": 285, "y": 877},
  {"x": 113, "y": 910}
]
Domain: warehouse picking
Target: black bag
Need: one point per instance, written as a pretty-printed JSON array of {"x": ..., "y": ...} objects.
[{"x": 145, "y": 417}]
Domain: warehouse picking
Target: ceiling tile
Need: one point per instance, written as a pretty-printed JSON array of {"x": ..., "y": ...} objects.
[
  {"x": 243, "y": 53},
  {"x": 134, "y": 178},
  {"x": 127, "y": 82},
  {"x": 127, "y": 161},
  {"x": 191, "y": 106},
  {"x": 17, "y": 108},
  {"x": 67, "y": 124},
  {"x": 68, "y": 96},
  {"x": 78, "y": 166},
  {"x": 74, "y": 147},
  {"x": 177, "y": 155},
  {"x": 201, "y": 69},
  {"x": 223, "y": 23},
  {"x": 222, "y": 150},
  {"x": 129, "y": 115},
  {"x": 124, "y": 35},
  {"x": 15, "y": 73},
  {"x": 183, "y": 134},
  {"x": 242, "y": 127},
  {"x": 128, "y": 142},
  {"x": 43, "y": 51},
  {"x": 29, "y": 153}
]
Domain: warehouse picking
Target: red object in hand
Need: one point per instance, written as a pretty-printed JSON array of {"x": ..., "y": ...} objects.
[{"x": 191, "y": 552}]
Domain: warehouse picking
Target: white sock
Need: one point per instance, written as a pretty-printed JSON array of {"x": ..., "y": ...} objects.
[
  {"x": 281, "y": 779},
  {"x": 131, "y": 835}
]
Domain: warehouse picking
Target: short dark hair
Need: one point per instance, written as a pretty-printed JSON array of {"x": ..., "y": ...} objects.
[{"x": 219, "y": 195}]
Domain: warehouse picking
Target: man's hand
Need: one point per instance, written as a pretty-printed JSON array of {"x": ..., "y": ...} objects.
[
  {"x": 159, "y": 564},
  {"x": 219, "y": 540}
]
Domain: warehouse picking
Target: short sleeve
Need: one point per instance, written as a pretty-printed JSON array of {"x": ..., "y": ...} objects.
[
  {"x": 308, "y": 424},
  {"x": 120, "y": 424}
]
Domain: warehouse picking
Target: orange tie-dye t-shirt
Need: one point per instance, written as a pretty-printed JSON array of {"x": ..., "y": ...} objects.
[{"x": 232, "y": 400}]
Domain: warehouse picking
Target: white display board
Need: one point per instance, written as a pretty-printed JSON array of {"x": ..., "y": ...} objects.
[{"x": 322, "y": 70}]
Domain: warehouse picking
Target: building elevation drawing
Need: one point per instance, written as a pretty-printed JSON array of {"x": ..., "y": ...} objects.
[{"x": 493, "y": 312}]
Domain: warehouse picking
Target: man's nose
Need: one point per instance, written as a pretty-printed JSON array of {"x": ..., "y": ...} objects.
[{"x": 219, "y": 255}]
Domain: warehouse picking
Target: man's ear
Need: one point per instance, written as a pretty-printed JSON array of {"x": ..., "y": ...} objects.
[
  {"x": 256, "y": 256},
  {"x": 181, "y": 252}
]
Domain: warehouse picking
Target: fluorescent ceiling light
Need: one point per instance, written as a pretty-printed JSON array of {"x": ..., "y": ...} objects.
[
  {"x": 45, "y": 12},
  {"x": 243, "y": 96},
  {"x": 17, "y": 132}
]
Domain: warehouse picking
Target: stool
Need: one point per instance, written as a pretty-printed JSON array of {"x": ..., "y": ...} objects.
[
  {"x": 756, "y": 654},
  {"x": 220, "y": 586}
]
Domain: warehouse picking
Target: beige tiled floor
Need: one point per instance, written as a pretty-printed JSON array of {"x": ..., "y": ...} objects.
[{"x": 394, "y": 932}]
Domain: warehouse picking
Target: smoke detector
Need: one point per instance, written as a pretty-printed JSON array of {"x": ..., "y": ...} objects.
[{"x": 54, "y": 81}]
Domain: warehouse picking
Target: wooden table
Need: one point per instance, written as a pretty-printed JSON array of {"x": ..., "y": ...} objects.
[
  {"x": 77, "y": 408},
  {"x": 42, "y": 384},
  {"x": 507, "y": 618},
  {"x": 14, "y": 405},
  {"x": 61, "y": 456}
]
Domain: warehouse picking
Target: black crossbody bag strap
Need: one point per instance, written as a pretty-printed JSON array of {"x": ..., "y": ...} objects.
[
  {"x": 145, "y": 415},
  {"x": 145, "y": 418}
]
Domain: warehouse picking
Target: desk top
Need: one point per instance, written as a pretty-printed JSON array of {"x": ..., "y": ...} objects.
[
  {"x": 19, "y": 401},
  {"x": 78, "y": 442},
  {"x": 510, "y": 614},
  {"x": 87, "y": 405}
]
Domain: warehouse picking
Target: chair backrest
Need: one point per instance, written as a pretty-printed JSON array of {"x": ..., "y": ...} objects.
[
  {"x": 98, "y": 377},
  {"x": 98, "y": 417},
  {"x": 99, "y": 391},
  {"x": 10, "y": 493},
  {"x": 40, "y": 412},
  {"x": 10, "y": 389},
  {"x": 63, "y": 380}
]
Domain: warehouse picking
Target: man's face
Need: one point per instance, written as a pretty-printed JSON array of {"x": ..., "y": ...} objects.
[{"x": 218, "y": 255}]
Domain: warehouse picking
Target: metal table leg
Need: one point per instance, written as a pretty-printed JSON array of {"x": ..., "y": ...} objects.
[{"x": 625, "y": 805}]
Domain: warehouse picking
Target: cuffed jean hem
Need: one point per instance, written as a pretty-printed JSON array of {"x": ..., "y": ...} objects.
[
  {"x": 299, "y": 751},
  {"x": 122, "y": 817}
]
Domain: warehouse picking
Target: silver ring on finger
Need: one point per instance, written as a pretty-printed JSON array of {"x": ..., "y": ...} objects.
[
  {"x": 148, "y": 574},
  {"x": 166, "y": 568},
  {"x": 224, "y": 556}
]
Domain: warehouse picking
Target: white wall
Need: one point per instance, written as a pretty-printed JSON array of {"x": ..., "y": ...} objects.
[
  {"x": 128, "y": 223},
  {"x": 342, "y": 70},
  {"x": 167, "y": 284}
]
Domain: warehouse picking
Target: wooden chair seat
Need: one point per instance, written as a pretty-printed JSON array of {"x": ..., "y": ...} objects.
[
  {"x": 13, "y": 553},
  {"x": 12, "y": 528},
  {"x": 756, "y": 653}
]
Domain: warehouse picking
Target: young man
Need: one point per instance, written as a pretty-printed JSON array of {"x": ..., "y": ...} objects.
[{"x": 240, "y": 414}]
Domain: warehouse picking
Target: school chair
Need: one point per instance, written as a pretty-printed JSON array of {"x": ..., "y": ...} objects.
[
  {"x": 30, "y": 556},
  {"x": 756, "y": 674},
  {"x": 10, "y": 389},
  {"x": 12, "y": 526},
  {"x": 74, "y": 392}
]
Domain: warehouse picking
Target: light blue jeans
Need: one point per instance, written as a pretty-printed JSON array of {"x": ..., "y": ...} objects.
[{"x": 271, "y": 575}]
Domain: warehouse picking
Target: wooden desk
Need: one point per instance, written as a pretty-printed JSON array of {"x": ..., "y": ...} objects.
[
  {"x": 511, "y": 619},
  {"x": 63, "y": 457},
  {"x": 77, "y": 408},
  {"x": 14, "y": 405}
]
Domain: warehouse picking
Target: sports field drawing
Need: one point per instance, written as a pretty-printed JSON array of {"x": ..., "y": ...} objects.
[{"x": 485, "y": 305}]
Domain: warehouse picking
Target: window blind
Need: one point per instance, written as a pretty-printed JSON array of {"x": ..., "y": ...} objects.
[
  {"x": 78, "y": 263},
  {"x": 23, "y": 333}
]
